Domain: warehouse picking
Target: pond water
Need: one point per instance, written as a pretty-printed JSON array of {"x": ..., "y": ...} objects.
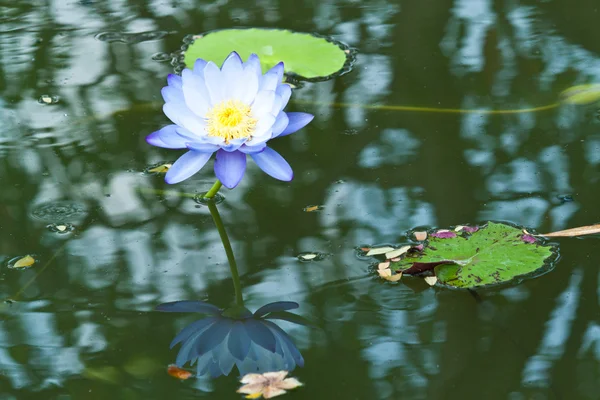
[{"x": 80, "y": 323}]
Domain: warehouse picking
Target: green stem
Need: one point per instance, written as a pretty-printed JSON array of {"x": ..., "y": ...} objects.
[
  {"x": 235, "y": 276},
  {"x": 213, "y": 190}
]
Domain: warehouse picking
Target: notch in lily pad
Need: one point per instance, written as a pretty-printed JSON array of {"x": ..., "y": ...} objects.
[{"x": 305, "y": 56}]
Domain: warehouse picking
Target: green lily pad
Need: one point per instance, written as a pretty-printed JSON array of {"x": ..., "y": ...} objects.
[
  {"x": 305, "y": 56},
  {"x": 473, "y": 257},
  {"x": 581, "y": 94}
]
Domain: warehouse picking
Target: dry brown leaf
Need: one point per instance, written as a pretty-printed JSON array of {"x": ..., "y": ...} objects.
[
  {"x": 397, "y": 252},
  {"x": 383, "y": 265},
  {"x": 379, "y": 250},
  {"x": 394, "y": 278},
  {"x": 420, "y": 235},
  {"x": 384, "y": 273},
  {"x": 24, "y": 262},
  {"x": 312, "y": 208},
  {"x": 580, "y": 231},
  {"x": 431, "y": 280},
  {"x": 161, "y": 169},
  {"x": 178, "y": 373}
]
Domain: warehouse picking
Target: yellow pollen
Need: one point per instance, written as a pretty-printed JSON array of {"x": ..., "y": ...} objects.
[{"x": 230, "y": 119}]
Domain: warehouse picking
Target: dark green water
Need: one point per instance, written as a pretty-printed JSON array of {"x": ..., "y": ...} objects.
[{"x": 83, "y": 325}]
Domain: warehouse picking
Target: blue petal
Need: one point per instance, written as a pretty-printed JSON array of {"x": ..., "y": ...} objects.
[
  {"x": 194, "y": 328},
  {"x": 233, "y": 145},
  {"x": 272, "y": 78},
  {"x": 260, "y": 334},
  {"x": 189, "y": 306},
  {"x": 186, "y": 352},
  {"x": 298, "y": 120},
  {"x": 230, "y": 167},
  {"x": 202, "y": 147},
  {"x": 174, "y": 81},
  {"x": 167, "y": 138},
  {"x": 276, "y": 306},
  {"x": 232, "y": 63},
  {"x": 252, "y": 149},
  {"x": 186, "y": 166},
  {"x": 285, "y": 91},
  {"x": 273, "y": 164},
  {"x": 172, "y": 94},
  {"x": 224, "y": 358},
  {"x": 239, "y": 341},
  {"x": 281, "y": 122},
  {"x": 199, "y": 65},
  {"x": 286, "y": 339},
  {"x": 212, "y": 337},
  {"x": 253, "y": 64}
]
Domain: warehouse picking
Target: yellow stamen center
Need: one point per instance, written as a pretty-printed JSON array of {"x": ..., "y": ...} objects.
[{"x": 230, "y": 119}]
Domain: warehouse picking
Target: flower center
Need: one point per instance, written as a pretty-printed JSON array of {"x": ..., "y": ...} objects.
[{"x": 230, "y": 119}]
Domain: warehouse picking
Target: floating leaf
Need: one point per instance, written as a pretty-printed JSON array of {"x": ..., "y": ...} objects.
[
  {"x": 397, "y": 252},
  {"x": 312, "y": 256},
  {"x": 178, "y": 373},
  {"x": 431, "y": 280},
  {"x": 379, "y": 250},
  {"x": 304, "y": 55},
  {"x": 580, "y": 231},
  {"x": 495, "y": 254},
  {"x": 160, "y": 168},
  {"x": 581, "y": 94},
  {"x": 420, "y": 235},
  {"x": 22, "y": 262},
  {"x": 312, "y": 208}
]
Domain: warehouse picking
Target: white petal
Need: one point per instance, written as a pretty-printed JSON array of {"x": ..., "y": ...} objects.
[
  {"x": 195, "y": 93},
  {"x": 246, "y": 87},
  {"x": 213, "y": 82},
  {"x": 182, "y": 116},
  {"x": 263, "y": 103}
]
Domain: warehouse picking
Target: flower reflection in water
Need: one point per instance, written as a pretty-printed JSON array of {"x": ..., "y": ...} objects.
[{"x": 235, "y": 336}]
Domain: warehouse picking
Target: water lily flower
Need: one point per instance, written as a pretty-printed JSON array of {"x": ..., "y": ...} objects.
[
  {"x": 235, "y": 336},
  {"x": 233, "y": 112}
]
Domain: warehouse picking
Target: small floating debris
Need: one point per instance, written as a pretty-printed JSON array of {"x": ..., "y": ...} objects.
[
  {"x": 61, "y": 228},
  {"x": 48, "y": 99},
  {"x": 158, "y": 168},
  {"x": 22, "y": 262},
  {"x": 178, "y": 373},
  {"x": 565, "y": 198},
  {"x": 312, "y": 208},
  {"x": 420, "y": 235},
  {"x": 431, "y": 280},
  {"x": 312, "y": 256}
]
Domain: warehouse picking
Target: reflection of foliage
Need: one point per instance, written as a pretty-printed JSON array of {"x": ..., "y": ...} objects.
[{"x": 236, "y": 336}]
